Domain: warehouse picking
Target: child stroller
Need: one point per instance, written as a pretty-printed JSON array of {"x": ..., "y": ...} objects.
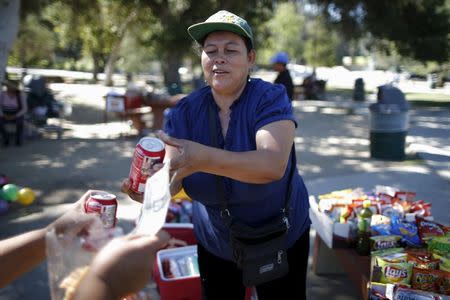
[{"x": 43, "y": 106}]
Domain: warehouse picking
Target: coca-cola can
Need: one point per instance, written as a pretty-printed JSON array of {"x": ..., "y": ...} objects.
[
  {"x": 104, "y": 204},
  {"x": 148, "y": 152}
]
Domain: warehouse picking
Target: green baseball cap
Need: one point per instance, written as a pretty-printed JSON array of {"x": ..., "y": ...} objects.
[{"x": 221, "y": 21}]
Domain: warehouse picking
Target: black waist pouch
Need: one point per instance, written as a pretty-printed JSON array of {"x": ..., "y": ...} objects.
[{"x": 260, "y": 252}]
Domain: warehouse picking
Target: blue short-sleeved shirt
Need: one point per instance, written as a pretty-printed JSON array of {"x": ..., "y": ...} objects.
[{"x": 261, "y": 103}]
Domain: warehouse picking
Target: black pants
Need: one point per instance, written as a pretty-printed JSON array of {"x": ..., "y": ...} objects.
[
  {"x": 221, "y": 279},
  {"x": 19, "y": 122}
]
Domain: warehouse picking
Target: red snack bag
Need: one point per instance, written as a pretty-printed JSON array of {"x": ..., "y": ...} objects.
[
  {"x": 425, "y": 280},
  {"x": 421, "y": 208},
  {"x": 421, "y": 252},
  {"x": 428, "y": 229},
  {"x": 444, "y": 283},
  {"x": 422, "y": 262},
  {"x": 431, "y": 281}
]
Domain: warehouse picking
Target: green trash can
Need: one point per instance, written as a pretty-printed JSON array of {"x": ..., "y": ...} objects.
[
  {"x": 359, "y": 93},
  {"x": 388, "y": 145},
  {"x": 389, "y": 121}
]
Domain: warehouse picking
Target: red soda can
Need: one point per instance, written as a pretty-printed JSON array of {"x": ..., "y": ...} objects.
[
  {"x": 104, "y": 204},
  {"x": 148, "y": 152}
]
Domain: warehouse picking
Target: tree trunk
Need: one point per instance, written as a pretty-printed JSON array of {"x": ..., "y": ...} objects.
[
  {"x": 170, "y": 66},
  {"x": 96, "y": 68},
  {"x": 113, "y": 57},
  {"x": 9, "y": 26}
]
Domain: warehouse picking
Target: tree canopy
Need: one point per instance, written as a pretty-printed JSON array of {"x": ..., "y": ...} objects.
[
  {"x": 419, "y": 29},
  {"x": 95, "y": 34}
]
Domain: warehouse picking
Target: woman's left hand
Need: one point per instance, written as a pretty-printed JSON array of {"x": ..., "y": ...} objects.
[{"x": 187, "y": 157}]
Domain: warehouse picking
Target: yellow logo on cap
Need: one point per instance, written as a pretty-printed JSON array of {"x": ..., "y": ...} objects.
[{"x": 230, "y": 19}]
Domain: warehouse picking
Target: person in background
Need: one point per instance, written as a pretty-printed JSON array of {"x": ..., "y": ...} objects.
[
  {"x": 120, "y": 268},
  {"x": 279, "y": 63},
  {"x": 41, "y": 101},
  {"x": 13, "y": 107},
  {"x": 255, "y": 130}
]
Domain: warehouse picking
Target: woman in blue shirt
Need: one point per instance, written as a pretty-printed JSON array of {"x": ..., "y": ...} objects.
[{"x": 255, "y": 129}]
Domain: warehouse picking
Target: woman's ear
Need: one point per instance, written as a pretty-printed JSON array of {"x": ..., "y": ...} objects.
[{"x": 252, "y": 56}]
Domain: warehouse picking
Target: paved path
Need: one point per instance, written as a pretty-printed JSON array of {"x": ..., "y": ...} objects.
[{"x": 333, "y": 152}]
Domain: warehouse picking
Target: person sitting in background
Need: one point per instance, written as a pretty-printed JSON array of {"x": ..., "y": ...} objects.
[
  {"x": 41, "y": 102},
  {"x": 279, "y": 62},
  {"x": 12, "y": 110}
]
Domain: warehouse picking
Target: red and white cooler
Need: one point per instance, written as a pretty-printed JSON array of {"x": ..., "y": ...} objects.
[{"x": 185, "y": 284}]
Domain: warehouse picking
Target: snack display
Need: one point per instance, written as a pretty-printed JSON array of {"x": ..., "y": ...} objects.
[{"x": 410, "y": 251}]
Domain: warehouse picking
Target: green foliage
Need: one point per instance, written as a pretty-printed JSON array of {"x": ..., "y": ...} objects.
[
  {"x": 418, "y": 28},
  {"x": 68, "y": 50},
  {"x": 135, "y": 57},
  {"x": 89, "y": 33},
  {"x": 416, "y": 25},
  {"x": 34, "y": 45},
  {"x": 320, "y": 47},
  {"x": 283, "y": 33}
]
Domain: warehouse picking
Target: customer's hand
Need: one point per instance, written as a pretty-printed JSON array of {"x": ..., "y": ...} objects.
[
  {"x": 123, "y": 266},
  {"x": 75, "y": 219}
]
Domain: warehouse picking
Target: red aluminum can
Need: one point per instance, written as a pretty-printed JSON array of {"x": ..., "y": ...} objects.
[
  {"x": 104, "y": 204},
  {"x": 148, "y": 152}
]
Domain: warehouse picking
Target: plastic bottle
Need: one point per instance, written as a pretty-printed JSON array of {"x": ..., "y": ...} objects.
[{"x": 363, "y": 237}]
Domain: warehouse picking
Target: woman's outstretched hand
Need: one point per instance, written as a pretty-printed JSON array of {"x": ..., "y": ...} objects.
[{"x": 187, "y": 156}]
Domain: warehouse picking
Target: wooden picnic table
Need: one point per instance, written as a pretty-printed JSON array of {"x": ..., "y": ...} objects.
[{"x": 152, "y": 103}]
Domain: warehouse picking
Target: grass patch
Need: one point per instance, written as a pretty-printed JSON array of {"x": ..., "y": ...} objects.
[
  {"x": 428, "y": 99},
  {"x": 416, "y": 99}
]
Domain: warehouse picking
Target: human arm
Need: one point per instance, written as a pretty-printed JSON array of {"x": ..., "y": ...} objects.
[
  {"x": 121, "y": 268},
  {"x": 265, "y": 164},
  {"x": 22, "y": 253}
]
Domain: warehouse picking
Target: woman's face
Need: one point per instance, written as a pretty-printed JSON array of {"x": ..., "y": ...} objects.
[{"x": 226, "y": 61}]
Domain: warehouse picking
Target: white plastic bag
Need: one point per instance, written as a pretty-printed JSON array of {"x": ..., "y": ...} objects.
[
  {"x": 156, "y": 202},
  {"x": 69, "y": 257}
]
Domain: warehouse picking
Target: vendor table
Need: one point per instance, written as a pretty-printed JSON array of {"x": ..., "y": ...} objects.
[
  {"x": 342, "y": 260},
  {"x": 332, "y": 253}
]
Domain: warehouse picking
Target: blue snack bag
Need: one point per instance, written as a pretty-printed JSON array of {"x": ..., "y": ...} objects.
[{"x": 408, "y": 231}]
